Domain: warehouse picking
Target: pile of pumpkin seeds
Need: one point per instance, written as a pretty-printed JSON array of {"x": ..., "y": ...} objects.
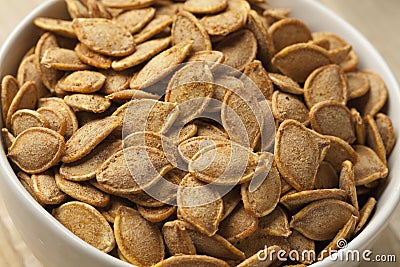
[{"x": 67, "y": 109}]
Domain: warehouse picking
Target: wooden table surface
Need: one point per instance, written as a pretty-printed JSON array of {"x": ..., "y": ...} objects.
[{"x": 378, "y": 20}]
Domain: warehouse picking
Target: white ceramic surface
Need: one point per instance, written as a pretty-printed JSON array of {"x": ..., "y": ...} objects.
[{"x": 55, "y": 246}]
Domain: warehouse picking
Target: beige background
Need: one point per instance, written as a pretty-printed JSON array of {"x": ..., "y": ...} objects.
[{"x": 378, "y": 20}]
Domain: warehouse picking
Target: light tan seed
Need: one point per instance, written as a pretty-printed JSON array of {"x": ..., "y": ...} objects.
[
  {"x": 37, "y": 149},
  {"x": 88, "y": 102},
  {"x": 322, "y": 219},
  {"x": 295, "y": 201},
  {"x": 77, "y": 9},
  {"x": 259, "y": 204},
  {"x": 188, "y": 131},
  {"x": 83, "y": 191},
  {"x": 298, "y": 153},
  {"x": 111, "y": 211},
  {"x": 139, "y": 240},
  {"x": 97, "y": 9},
  {"x": 205, "y": 7},
  {"x": 231, "y": 200},
  {"x": 25, "y": 98},
  {"x": 374, "y": 138},
  {"x": 86, "y": 138},
  {"x": 155, "y": 26},
  {"x": 24, "y": 119},
  {"x": 177, "y": 239},
  {"x": 238, "y": 225},
  {"x": 338, "y": 152},
  {"x": 144, "y": 52},
  {"x": 8, "y": 138},
  {"x": 192, "y": 208},
  {"x": 212, "y": 56},
  {"x": 26, "y": 182},
  {"x": 298, "y": 61},
  {"x": 232, "y": 19},
  {"x": 62, "y": 59},
  {"x": 158, "y": 214},
  {"x": 357, "y": 84},
  {"x": 45, "y": 188},
  {"x": 189, "y": 261},
  {"x": 386, "y": 130},
  {"x": 347, "y": 183},
  {"x": 222, "y": 85},
  {"x": 87, "y": 223},
  {"x": 325, "y": 83},
  {"x": 128, "y": 4},
  {"x": 287, "y": 106},
  {"x": 161, "y": 65},
  {"x": 126, "y": 95},
  {"x": 242, "y": 40},
  {"x": 57, "y": 26},
  {"x": 208, "y": 129},
  {"x": 341, "y": 54},
  {"x": 149, "y": 165},
  {"x": 273, "y": 15},
  {"x": 115, "y": 81},
  {"x": 327, "y": 115},
  {"x": 368, "y": 167},
  {"x": 85, "y": 168},
  {"x": 27, "y": 72},
  {"x": 82, "y": 82},
  {"x": 276, "y": 223},
  {"x": 92, "y": 58},
  {"x": 326, "y": 177},
  {"x": 48, "y": 76},
  {"x": 256, "y": 72},
  {"x": 302, "y": 245},
  {"x": 134, "y": 20},
  {"x": 115, "y": 40},
  {"x": 365, "y": 214},
  {"x": 142, "y": 199},
  {"x": 58, "y": 105},
  {"x": 287, "y": 32},
  {"x": 286, "y": 84},
  {"x": 254, "y": 261},
  {"x": 9, "y": 89},
  {"x": 186, "y": 27},
  {"x": 189, "y": 148},
  {"x": 359, "y": 125}
]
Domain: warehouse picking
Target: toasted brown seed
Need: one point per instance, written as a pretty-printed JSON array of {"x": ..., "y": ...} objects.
[
  {"x": 374, "y": 138},
  {"x": 58, "y": 26},
  {"x": 365, "y": 214},
  {"x": 289, "y": 31},
  {"x": 207, "y": 56},
  {"x": 287, "y": 106},
  {"x": 26, "y": 98},
  {"x": 110, "y": 212},
  {"x": 286, "y": 84},
  {"x": 161, "y": 65},
  {"x": 58, "y": 105},
  {"x": 259, "y": 204},
  {"x": 134, "y": 20},
  {"x": 128, "y": 94},
  {"x": 87, "y": 223},
  {"x": 386, "y": 131},
  {"x": 208, "y": 129},
  {"x": 341, "y": 54},
  {"x": 26, "y": 181},
  {"x": 190, "y": 147},
  {"x": 24, "y": 119},
  {"x": 62, "y": 59},
  {"x": 232, "y": 19},
  {"x": 139, "y": 240},
  {"x": 189, "y": 261},
  {"x": 37, "y": 149},
  {"x": 92, "y": 58},
  {"x": 45, "y": 188},
  {"x": 157, "y": 25},
  {"x": 144, "y": 52},
  {"x": 344, "y": 234},
  {"x": 82, "y": 82},
  {"x": 298, "y": 61},
  {"x": 85, "y": 168},
  {"x": 338, "y": 152},
  {"x": 327, "y": 115},
  {"x": 48, "y": 76},
  {"x": 357, "y": 84},
  {"x": 231, "y": 200},
  {"x": 298, "y": 200},
  {"x": 9, "y": 89},
  {"x": 359, "y": 126},
  {"x": 368, "y": 167},
  {"x": 83, "y": 191},
  {"x": 302, "y": 245},
  {"x": 326, "y": 177},
  {"x": 77, "y": 9},
  {"x": 254, "y": 261},
  {"x": 325, "y": 83},
  {"x": 205, "y": 7},
  {"x": 88, "y": 102},
  {"x": 142, "y": 198},
  {"x": 238, "y": 225},
  {"x": 127, "y": 4},
  {"x": 299, "y": 168},
  {"x": 256, "y": 72},
  {"x": 115, "y": 40},
  {"x": 202, "y": 206},
  {"x": 8, "y": 138},
  {"x": 157, "y": 214},
  {"x": 322, "y": 219},
  {"x": 276, "y": 223},
  {"x": 273, "y": 15},
  {"x": 177, "y": 239},
  {"x": 97, "y": 9},
  {"x": 27, "y": 72},
  {"x": 222, "y": 85},
  {"x": 242, "y": 40},
  {"x": 115, "y": 81},
  {"x": 149, "y": 165}
]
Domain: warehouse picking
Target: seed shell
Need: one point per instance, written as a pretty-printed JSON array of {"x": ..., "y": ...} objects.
[
  {"x": 386, "y": 131},
  {"x": 45, "y": 188},
  {"x": 92, "y": 58},
  {"x": 88, "y": 102},
  {"x": 24, "y": 119},
  {"x": 189, "y": 261},
  {"x": 134, "y": 20},
  {"x": 276, "y": 223}
]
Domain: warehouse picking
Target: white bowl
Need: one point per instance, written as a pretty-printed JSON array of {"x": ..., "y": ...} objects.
[{"x": 54, "y": 245}]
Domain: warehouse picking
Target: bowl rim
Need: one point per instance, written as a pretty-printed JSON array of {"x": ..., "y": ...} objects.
[{"x": 381, "y": 216}]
